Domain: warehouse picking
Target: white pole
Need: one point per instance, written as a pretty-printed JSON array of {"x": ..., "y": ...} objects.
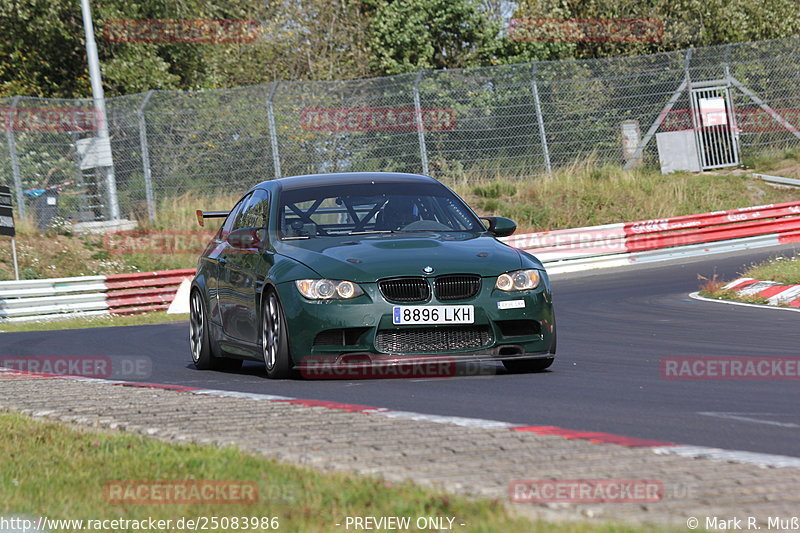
[
  {"x": 423, "y": 150},
  {"x": 14, "y": 254},
  {"x": 273, "y": 133},
  {"x": 100, "y": 107}
]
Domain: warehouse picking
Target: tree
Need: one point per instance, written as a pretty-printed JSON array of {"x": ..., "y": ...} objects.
[
  {"x": 685, "y": 23},
  {"x": 42, "y": 51}
]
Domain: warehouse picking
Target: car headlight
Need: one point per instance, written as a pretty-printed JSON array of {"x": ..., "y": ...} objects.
[
  {"x": 518, "y": 280},
  {"x": 328, "y": 289}
]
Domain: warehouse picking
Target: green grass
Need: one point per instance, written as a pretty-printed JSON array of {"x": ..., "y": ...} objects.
[
  {"x": 781, "y": 269},
  {"x": 55, "y": 471},
  {"x": 157, "y": 317},
  {"x": 773, "y": 161},
  {"x": 59, "y": 253}
]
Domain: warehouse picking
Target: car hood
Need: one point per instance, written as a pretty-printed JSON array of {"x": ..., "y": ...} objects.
[{"x": 365, "y": 258}]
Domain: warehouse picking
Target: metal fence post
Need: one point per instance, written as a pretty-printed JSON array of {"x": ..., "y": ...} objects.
[
  {"x": 540, "y": 120},
  {"x": 12, "y": 153},
  {"x": 148, "y": 178},
  {"x": 100, "y": 107},
  {"x": 726, "y": 62},
  {"x": 273, "y": 134},
  {"x": 423, "y": 150}
]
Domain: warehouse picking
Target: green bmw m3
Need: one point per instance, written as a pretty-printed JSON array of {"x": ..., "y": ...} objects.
[{"x": 355, "y": 270}]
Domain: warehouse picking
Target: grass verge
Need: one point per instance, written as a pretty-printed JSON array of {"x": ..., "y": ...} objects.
[
  {"x": 60, "y": 472},
  {"x": 781, "y": 269},
  {"x": 713, "y": 289},
  {"x": 157, "y": 317},
  {"x": 585, "y": 193}
]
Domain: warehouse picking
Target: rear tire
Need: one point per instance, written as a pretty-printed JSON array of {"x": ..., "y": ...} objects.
[
  {"x": 274, "y": 339},
  {"x": 198, "y": 333},
  {"x": 204, "y": 354},
  {"x": 524, "y": 366}
]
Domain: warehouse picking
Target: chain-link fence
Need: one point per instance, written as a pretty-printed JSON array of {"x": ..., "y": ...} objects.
[{"x": 507, "y": 122}]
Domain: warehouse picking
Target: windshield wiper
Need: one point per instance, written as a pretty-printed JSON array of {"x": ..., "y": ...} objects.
[{"x": 372, "y": 231}]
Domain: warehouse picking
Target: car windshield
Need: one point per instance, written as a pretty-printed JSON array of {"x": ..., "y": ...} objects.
[{"x": 372, "y": 208}]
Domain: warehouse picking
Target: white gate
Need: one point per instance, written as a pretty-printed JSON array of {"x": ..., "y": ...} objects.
[{"x": 714, "y": 122}]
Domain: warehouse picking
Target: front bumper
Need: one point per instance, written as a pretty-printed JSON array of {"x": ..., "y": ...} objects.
[{"x": 354, "y": 332}]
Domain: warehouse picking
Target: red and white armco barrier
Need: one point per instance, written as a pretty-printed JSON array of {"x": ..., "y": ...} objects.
[
  {"x": 772, "y": 224},
  {"x": 775, "y": 293},
  {"x": 117, "y": 294}
]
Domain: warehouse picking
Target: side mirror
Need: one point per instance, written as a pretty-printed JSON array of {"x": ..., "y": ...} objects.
[
  {"x": 246, "y": 238},
  {"x": 500, "y": 226}
]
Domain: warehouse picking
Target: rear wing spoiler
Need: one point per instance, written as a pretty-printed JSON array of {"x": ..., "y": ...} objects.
[{"x": 209, "y": 214}]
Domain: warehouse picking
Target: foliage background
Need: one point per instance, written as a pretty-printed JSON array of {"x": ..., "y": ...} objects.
[{"x": 42, "y": 50}]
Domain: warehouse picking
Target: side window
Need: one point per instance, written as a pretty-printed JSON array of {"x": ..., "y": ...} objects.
[
  {"x": 256, "y": 211},
  {"x": 227, "y": 226}
]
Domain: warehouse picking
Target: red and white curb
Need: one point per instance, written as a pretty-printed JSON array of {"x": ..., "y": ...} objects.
[
  {"x": 657, "y": 447},
  {"x": 778, "y": 295}
]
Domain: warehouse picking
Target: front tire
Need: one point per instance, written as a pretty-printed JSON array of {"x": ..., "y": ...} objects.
[{"x": 274, "y": 341}]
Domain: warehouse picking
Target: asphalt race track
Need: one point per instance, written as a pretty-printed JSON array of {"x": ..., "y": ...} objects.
[{"x": 614, "y": 328}]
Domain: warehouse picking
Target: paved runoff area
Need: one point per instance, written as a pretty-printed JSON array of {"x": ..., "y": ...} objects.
[{"x": 540, "y": 472}]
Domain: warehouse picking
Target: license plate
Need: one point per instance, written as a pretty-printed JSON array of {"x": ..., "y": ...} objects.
[{"x": 432, "y": 314}]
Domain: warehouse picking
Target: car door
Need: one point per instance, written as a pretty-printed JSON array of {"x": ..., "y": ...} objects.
[
  {"x": 215, "y": 267},
  {"x": 245, "y": 260}
]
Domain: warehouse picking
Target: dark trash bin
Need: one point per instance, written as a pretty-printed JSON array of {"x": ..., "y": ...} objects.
[{"x": 46, "y": 208}]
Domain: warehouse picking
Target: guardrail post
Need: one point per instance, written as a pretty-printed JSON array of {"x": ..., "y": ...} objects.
[
  {"x": 12, "y": 153},
  {"x": 540, "y": 120},
  {"x": 423, "y": 150},
  {"x": 148, "y": 179},
  {"x": 273, "y": 134}
]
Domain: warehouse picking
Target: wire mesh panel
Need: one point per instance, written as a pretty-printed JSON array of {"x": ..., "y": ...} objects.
[
  {"x": 208, "y": 142},
  {"x": 501, "y": 122},
  {"x": 44, "y": 135},
  {"x": 487, "y": 125},
  {"x": 358, "y": 125}
]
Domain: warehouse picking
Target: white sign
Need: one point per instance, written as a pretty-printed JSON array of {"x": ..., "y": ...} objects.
[
  {"x": 712, "y": 111},
  {"x": 94, "y": 152}
]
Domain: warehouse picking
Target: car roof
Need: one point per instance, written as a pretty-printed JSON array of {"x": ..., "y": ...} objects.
[{"x": 346, "y": 178}]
